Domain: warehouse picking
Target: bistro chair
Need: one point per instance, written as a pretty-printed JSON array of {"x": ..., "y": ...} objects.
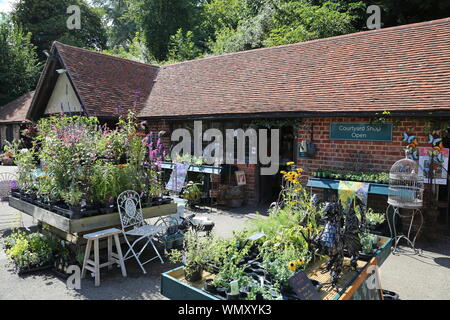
[{"x": 135, "y": 229}]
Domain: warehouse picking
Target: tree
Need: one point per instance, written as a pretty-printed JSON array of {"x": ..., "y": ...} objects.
[
  {"x": 182, "y": 47},
  {"x": 243, "y": 27},
  {"x": 19, "y": 66},
  {"x": 121, "y": 26},
  {"x": 136, "y": 50},
  {"x": 298, "y": 21},
  {"x": 160, "y": 19},
  {"x": 47, "y": 22},
  {"x": 399, "y": 12}
]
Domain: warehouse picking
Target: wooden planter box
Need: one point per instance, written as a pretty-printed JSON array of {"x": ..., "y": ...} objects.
[
  {"x": 175, "y": 287},
  {"x": 73, "y": 229}
]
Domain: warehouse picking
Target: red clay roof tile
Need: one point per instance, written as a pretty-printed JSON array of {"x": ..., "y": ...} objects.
[
  {"x": 16, "y": 110},
  {"x": 405, "y": 68},
  {"x": 107, "y": 85}
]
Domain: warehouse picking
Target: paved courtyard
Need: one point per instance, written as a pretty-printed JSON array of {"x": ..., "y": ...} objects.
[{"x": 413, "y": 277}]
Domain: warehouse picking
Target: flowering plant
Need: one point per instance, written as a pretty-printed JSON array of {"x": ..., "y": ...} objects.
[{"x": 85, "y": 162}]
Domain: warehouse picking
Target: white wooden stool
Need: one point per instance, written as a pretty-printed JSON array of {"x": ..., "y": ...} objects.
[{"x": 113, "y": 258}]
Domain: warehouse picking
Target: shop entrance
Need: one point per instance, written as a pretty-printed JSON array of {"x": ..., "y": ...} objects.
[{"x": 270, "y": 186}]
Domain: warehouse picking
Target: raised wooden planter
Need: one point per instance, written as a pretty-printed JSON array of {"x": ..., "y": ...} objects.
[
  {"x": 175, "y": 287},
  {"x": 72, "y": 229}
]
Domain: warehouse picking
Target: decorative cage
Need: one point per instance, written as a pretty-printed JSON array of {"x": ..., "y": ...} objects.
[{"x": 405, "y": 185}]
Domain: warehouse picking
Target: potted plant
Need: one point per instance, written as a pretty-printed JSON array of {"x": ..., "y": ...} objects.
[
  {"x": 195, "y": 255},
  {"x": 192, "y": 193},
  {"x": 73, "y": 198}
]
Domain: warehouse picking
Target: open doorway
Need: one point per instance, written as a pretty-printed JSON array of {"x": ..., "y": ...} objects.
[{"x": 270, "y": 185}]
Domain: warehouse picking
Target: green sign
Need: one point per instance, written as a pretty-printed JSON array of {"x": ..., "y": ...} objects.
[{"x": 361, "y": 131}]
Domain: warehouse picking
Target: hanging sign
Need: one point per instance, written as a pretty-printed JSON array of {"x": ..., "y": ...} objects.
[{"x": 361, "y": 131}]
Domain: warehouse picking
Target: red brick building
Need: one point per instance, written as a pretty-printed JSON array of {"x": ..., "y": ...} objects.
[
  {"x": 398, "y": 75},
  {"x": 13, "y": 118}
]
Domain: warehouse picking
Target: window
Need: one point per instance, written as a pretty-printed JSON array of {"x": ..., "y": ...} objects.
[{"x": 9, "y": 133}]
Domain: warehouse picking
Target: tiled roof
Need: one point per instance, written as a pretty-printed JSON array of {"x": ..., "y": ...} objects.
[
  {"x": 405, "y": 68},
  {"x": 107, "y": 84},
  {"x": 16, "y": 110}
]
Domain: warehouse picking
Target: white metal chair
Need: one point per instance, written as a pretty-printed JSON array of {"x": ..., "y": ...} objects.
[{"x": 134, "y": 226}]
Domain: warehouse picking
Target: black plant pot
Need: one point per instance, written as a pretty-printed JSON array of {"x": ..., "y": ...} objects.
[
  {"x": 156, "y": 201},
  {"x": 75, "y": 212},
  {"x": 243, "y": 293},
  {"x": 209, "y": 286},
  {"x": 166, "y": 200},
  {"x": 193, "y": 276},
  {"x": 221, "y": 292},
  {"x": 15, "y": 194},
  {"x": 233, "y": 296},
  {"x": 40, "y": 203},
  {"x": 107, "y": 208},
  {"x": 52, "y": 205}
]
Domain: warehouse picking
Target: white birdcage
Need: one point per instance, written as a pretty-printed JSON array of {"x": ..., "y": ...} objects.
[{"x": 405, "y": 185}]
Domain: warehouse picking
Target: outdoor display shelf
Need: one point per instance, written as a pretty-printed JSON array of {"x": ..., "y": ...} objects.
[
  {"x": 374, "y": 188},
  {"x": 73, "y": 227},
  {"x": 194, "y": 168},
  {"x": 175, "y": 287}
]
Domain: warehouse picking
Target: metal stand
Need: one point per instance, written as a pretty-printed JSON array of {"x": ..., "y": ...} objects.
[{"x": 397, "y": 237}]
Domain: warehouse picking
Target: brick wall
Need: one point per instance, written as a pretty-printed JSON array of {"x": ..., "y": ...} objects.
[
  {"x": 158, "y": 126},
  {"x": 372, "y": 155}
]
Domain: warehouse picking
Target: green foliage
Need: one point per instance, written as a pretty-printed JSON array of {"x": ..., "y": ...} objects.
[
  {"x": 298, "y": 21},
  {"x": 160, "y": 19},
  {"x": 46, "y": 20},
  {"x": 121, "y": 27},
  {"x": 19, "y": 67},
  {"x": 134, "y": 50},
  {"x": 84, "y": 162},
  {"x": 373, "y": 218},
  {"x": 182, "y": 47},
  {"x": 375, "y": 177},
  {"x": 192, "y": 193},
  {"x": 32, "y": 250},
  {"x": 197, "y": 252},
  {"x": 25, "y": 160}
]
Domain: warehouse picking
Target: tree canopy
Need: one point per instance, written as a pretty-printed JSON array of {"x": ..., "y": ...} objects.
[
  {"x": 167, "y": 31},
  {"x": 19, "y": 66},
  {"x": 46, "y": 20}
]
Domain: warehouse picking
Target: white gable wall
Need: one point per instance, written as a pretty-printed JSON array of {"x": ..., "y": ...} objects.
[{"x": 64, "y": 94}]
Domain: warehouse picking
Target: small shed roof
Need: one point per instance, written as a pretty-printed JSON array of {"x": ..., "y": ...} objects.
[{"x": 16, "y": 110}]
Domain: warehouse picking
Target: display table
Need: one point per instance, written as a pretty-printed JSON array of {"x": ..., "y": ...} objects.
[{"x": 73, "y": 229}]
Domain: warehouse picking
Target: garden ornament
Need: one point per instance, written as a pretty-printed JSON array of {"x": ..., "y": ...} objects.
[{"x": 340, "y": 233}]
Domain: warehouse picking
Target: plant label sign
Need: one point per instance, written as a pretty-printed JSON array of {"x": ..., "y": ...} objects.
[
  {"x": 361, "y": 131},
  {"x": 303, "y": 287}
]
